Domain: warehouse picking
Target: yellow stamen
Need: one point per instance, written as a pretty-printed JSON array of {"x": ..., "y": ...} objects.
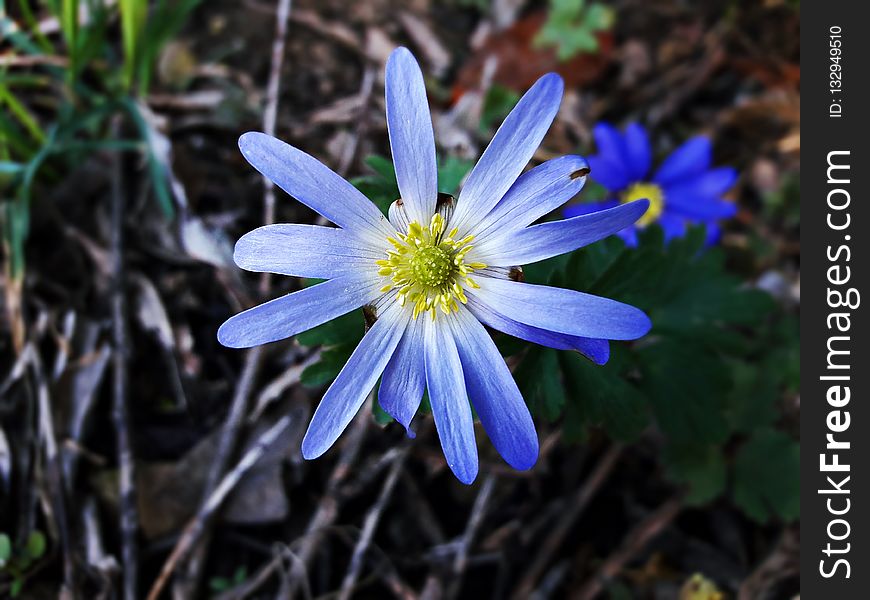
[
  {"x": 429, "y": 268},
  {"x": 651, "y": 192}
]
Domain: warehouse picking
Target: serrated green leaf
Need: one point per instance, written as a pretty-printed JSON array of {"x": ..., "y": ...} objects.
[
  {"x": 571, "y": 27},
  {"x": 767, "y": 476},
  {"x": 752, "y": 401},
  {"x": 601, "y": 395},
  {"x": 701, "y": 468},
  {"x": 686, "y": 385}
]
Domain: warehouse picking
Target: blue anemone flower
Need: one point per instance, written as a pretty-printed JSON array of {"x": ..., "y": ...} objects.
[
  {"x": 685, "y": 189},
  {"x": 434, "y": 273}
]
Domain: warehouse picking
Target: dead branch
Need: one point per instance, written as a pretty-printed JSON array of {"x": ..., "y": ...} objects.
[
  {"x": 327, "y": 509},
  {"x": 195, "y": 528},
  {"x": 371, "y": 522},
  {"x": 575, "y": 507},
  {"x": 478, "y": 510},
  {"x": 634, "y": 542},
  {"x": 126, "y": 475}
]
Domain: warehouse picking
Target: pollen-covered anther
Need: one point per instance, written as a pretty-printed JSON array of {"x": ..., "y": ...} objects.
[{"x": 428, "y": 268}]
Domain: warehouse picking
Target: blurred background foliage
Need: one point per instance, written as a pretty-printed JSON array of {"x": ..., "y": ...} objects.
[{"x": 86, "y": 87}]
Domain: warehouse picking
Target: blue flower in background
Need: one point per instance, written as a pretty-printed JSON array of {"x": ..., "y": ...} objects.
[
  {"x": 684, "y": 190},
  {"x": 434, "y": 273}
]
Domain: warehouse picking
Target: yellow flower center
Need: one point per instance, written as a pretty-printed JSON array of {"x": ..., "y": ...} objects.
[
  {"x": 429, "y": 268},
  {"x": 651, "y": 192}
]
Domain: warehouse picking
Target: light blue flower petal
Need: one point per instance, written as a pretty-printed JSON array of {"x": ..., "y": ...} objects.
[
  {"x": 412, "y": 141},
  {"x": 313, "y": 183},
  {"x": 297, "y": 312},
  {"x": 584, "y": 208},
  {"x": 404, "y": 378},
  {"x": 546, "y": 240},
  {"x": 536, "y": 193},
  {"x": 561, "y": 310},
  {"x": 609, "y": 172},
  {"x": 638, "y": 151},
  {"x": 494, "y": 394},
  {"x": 692, "y": 158},
  {"x": 450, "y": 407},
  {"x": 508, "y": 153},
  {"x": 304, "y": 251},
  {"x": 596, "y": 350},
  {"x": 356, "y": 379}
]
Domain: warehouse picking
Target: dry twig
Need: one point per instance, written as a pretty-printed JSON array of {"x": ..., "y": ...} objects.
[
  {"x": 371, "y": 522},
  {"x": 270, "y": 115},
  {"x": 478, "y": 510},
  {"x": 126, "y": 475},
  {"x": 327, "y": 509},
  {"x": 195, "y": 528},
  {"x": 634, "y": 542},
  {"x": 575, "y": 508},
  {"x": 235, "y": 418}
]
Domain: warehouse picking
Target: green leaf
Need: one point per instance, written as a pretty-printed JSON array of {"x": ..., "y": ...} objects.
[
  {"x": 547, "y": 271},
  {"x": 328, "y": 367},
  {"x": 752, "y": 401},
  {"x": 133, "y": 16},
  {"x": 349, "y": 327},
  {"x": 382, "y": 187},
  {"x": 686, "y": 385},
  {"x": 767, "y": 476},
  {"x": 702, "y": 469},
  {"x": 240, "y": 575},
  {"x": 219, "y": 584},
  {"x": 383, "y": 167},
  {"x": 540, "y": 381},
  {"x": 451, "y": 171},
  {"x": 5, "y": 549},
  {"x": 601, "y": 395},
  {"x": 35, "y": 546},
  {"x": 499, "y": 101},
  {"x": 571, "y": 27}
]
